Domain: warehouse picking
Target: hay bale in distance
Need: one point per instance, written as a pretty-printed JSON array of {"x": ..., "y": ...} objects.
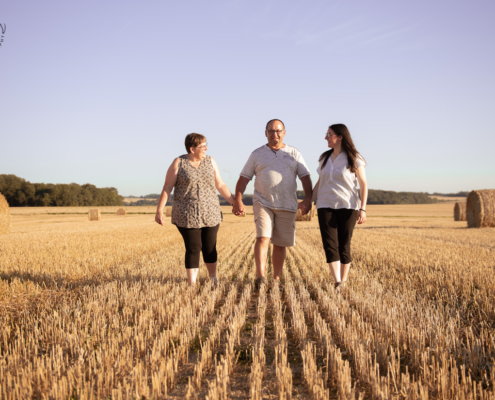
[
  {"x": 121, "y": 211},
  {"x": 94, "y": 214},
  {"x": 460, "y": 212},
  {"x": 168, "y": 211},
  {"x": 4, "y": 215},
  {"x": 480, "y": 208},
  {"x": 300, "y": 217}
]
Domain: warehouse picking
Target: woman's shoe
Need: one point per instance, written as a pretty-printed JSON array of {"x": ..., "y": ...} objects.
[
  {"x": 338, "y": 286},
  {"x": 215, "y": 282}
]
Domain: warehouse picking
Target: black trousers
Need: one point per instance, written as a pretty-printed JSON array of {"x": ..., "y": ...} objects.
[
  {"x": 336, "y": 227},
  {"x": 200, "y": 240}
]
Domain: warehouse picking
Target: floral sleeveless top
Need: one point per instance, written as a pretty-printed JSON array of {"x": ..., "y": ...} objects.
[{"x": 196, "y": 203}]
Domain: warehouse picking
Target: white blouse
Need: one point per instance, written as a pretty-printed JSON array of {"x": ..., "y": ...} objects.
[{"x": 338, "y": 186}]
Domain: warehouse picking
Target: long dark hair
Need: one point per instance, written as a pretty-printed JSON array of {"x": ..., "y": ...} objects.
[{"x": 347, "y": 146}]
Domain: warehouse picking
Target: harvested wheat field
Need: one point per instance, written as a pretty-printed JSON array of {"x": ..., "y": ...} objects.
[{"x": 102, "y": 311}]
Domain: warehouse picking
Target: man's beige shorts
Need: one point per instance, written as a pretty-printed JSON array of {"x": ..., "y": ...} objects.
[{"x": 278, "y": 225}]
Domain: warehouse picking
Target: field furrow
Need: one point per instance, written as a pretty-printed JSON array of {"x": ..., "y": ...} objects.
[
  {"x": 406, "y": 342},
  {"x": 103, "y": 310}
]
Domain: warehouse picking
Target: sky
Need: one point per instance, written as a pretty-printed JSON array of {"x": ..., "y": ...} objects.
[{"x": 104, "y": 92}]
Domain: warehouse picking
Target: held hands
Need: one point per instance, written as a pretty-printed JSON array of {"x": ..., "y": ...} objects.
[
  {"x": 159, "y": 218},
  {"x": 361, "y": 217},
  {"x": 305, "y": 206},
  {"x": 238, "y": 208}
]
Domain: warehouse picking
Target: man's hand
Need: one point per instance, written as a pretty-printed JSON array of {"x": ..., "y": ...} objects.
[
  {"x": 238, "y": 208},
  {"x": 305, "y": 206},
  {"x": 159, "y": 218}
]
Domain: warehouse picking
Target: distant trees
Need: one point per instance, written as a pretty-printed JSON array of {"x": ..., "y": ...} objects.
[
  {"x": 22, "y": 193},
  {"x": 458, "y": 194},
  {"x": 390, "y": 197}
]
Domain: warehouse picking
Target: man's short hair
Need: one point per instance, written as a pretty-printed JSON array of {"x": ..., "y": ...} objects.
[
  {"x": 193, "y": 140},
  {"x": 273, "y": 120}
]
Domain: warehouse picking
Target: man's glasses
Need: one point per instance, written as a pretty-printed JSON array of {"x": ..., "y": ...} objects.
[{"x": 278, "y": 132}]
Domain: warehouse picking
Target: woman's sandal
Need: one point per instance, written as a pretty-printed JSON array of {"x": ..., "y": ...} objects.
[{"x": 337, "y": 286}]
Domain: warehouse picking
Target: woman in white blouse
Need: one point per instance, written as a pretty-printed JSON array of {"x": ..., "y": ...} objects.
[{"x": 339, "y": 207}]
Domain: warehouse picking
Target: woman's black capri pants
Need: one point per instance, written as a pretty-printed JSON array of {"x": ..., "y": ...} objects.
[
  {"x": 200, "y": 240},
  {"x": 336, "y": 227}
]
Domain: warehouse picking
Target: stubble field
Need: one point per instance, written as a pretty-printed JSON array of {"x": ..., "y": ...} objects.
[{"x": 101, "y": 310}]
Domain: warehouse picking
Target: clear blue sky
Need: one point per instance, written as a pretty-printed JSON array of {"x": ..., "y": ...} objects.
[{"x": 105, "y": 91}]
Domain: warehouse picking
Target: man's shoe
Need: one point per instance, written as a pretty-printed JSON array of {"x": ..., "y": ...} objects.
[
  {"x": 258, "y": 282},
  {"x": 279, "y": 284},
  {"x": 215, "y": 282}
]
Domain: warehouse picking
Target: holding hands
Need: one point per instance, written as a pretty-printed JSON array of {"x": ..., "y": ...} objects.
[
  {"x": 238, "y": 207},
  {"x": 305, "y": 206}
]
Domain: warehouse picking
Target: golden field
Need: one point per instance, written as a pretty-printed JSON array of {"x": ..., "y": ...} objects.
[{"x": 101, "y": 310}]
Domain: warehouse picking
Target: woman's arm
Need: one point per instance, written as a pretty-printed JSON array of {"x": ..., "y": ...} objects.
[
  {"x": 170, "y": 180},
  {"x": 220, "y": 184},
  {"x": 363, "y": 188},
  {"x": 315, "y": 191}
]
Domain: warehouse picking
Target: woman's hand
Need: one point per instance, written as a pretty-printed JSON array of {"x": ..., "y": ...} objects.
[
  {"x": 305, "y": 206},
  {"x": 238, "y": 208},
  {"x": 361, "y": 217},
  {"x": 159, "y": 218}
]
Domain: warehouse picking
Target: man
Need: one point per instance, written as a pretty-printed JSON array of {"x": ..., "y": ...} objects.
[{"x": 276, "y": 166}]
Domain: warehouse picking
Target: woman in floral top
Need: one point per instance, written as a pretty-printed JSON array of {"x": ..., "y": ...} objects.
[{"x": 196, "y": 209}]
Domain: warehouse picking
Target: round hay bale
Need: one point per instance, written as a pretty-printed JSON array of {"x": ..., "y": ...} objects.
[
  {"x": 300, "y": 217},
  {"x": 121, "y": 211},
  {"x": 4, "y": 215},
  {"x": 94, "y": 214},
  {"x": 168, "y": 211},
  {"x": 460, "y": 212},
  {"x": 480, "y": 208}
]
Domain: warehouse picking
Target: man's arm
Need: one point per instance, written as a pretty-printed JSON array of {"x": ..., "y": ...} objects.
[
  {"x": 239, "y": 208},
  {"x": 305, "y": 205}
]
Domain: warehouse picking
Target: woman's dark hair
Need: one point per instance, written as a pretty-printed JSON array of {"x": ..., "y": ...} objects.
[
  {"x": 193, "y": 140},
  {"x": 347, "y": 146}
]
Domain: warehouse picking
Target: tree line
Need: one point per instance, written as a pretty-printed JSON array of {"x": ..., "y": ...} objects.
[
  {"x": 21, "y": 193},
  {"x": 391, "y": 197},
  {"x": 374, "y": 197}
]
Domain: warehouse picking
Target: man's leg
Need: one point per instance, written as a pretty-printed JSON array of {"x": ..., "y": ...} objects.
[
  {"x": 260, "y": 255},
  {"x": 263, "y": 218},
  {"x": 278, "y": 258},
  {"x": 284, "y": 233}
]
